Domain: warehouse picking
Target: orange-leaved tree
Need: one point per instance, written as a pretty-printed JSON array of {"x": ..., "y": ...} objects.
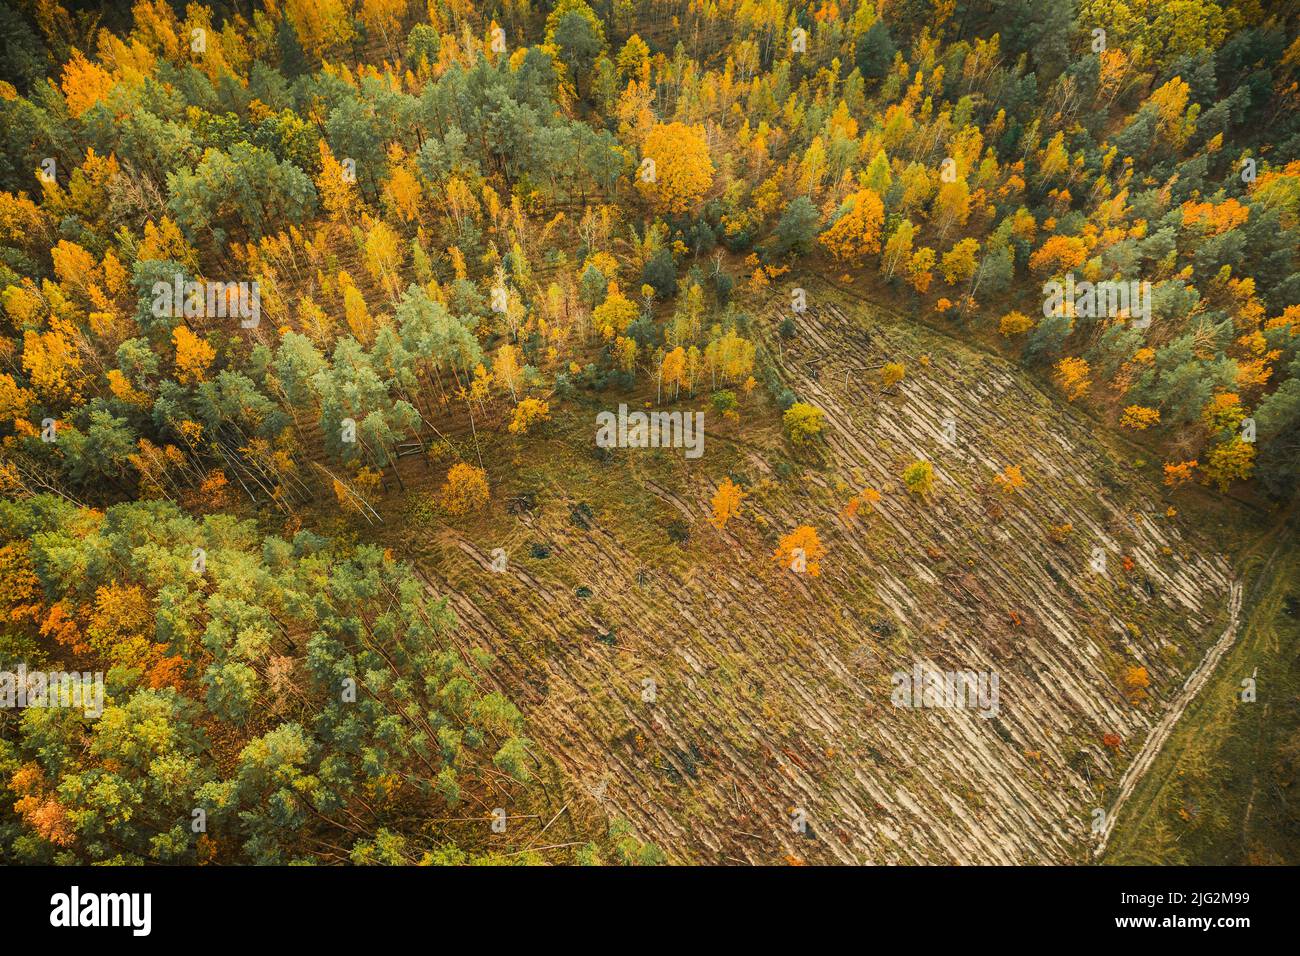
[
  {"x": 865, "y": 496},
  {"x": 726, "y": 503},
  {"x": 1072, "y": 375},
  {"x": 800, "y": 551},
  {"x": 1009, "y": 480},
  {"x": 1136, "y": 683},
  {"x": 1179, "y": 472}
]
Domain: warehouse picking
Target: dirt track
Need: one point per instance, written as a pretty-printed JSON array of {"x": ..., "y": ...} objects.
[{"x": 1160, "y": 733}]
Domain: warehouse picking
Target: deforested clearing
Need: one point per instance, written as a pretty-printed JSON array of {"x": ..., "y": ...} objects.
[{"x": 772, "y": 689}]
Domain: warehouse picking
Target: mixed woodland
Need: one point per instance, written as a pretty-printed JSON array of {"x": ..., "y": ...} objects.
[{"x": 470, "y": 220}]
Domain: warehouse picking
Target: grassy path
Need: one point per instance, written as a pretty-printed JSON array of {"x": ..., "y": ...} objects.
[
  {"x": 1213, "y": 758},
  {"x": 1151, "y": 747}
]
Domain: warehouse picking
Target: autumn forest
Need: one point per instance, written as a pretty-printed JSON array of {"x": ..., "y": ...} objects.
[{"x": 637, "y": 432}]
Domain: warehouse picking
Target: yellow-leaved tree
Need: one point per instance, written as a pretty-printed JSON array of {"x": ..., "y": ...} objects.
[
  {"x": 1015, "y": 323},
  {"x": 675, "y": 170},
  {"x": 322, "y": 26},
  {"x": 193, "y": 355},
  {"x": 529, "y": 412},
  {"x": 466, "y": 489},
  {"x": 1139, "y": 417},
  {"x": 506, "y": 371},
  {"x": 1229, "y": 460},
  {"x": 672, "y": 371},
  {"x": 337, "y": 186},
  {"x": 803, "y": 422},
  {"x": 856, "y": 233},
  {"x": 919, "y": 477},
  {"x": 402, "y": 192},
  {"x": 615, "y": 314}
]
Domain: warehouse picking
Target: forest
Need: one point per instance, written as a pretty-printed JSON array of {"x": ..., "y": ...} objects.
[{"x": 310, "y": 310}]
